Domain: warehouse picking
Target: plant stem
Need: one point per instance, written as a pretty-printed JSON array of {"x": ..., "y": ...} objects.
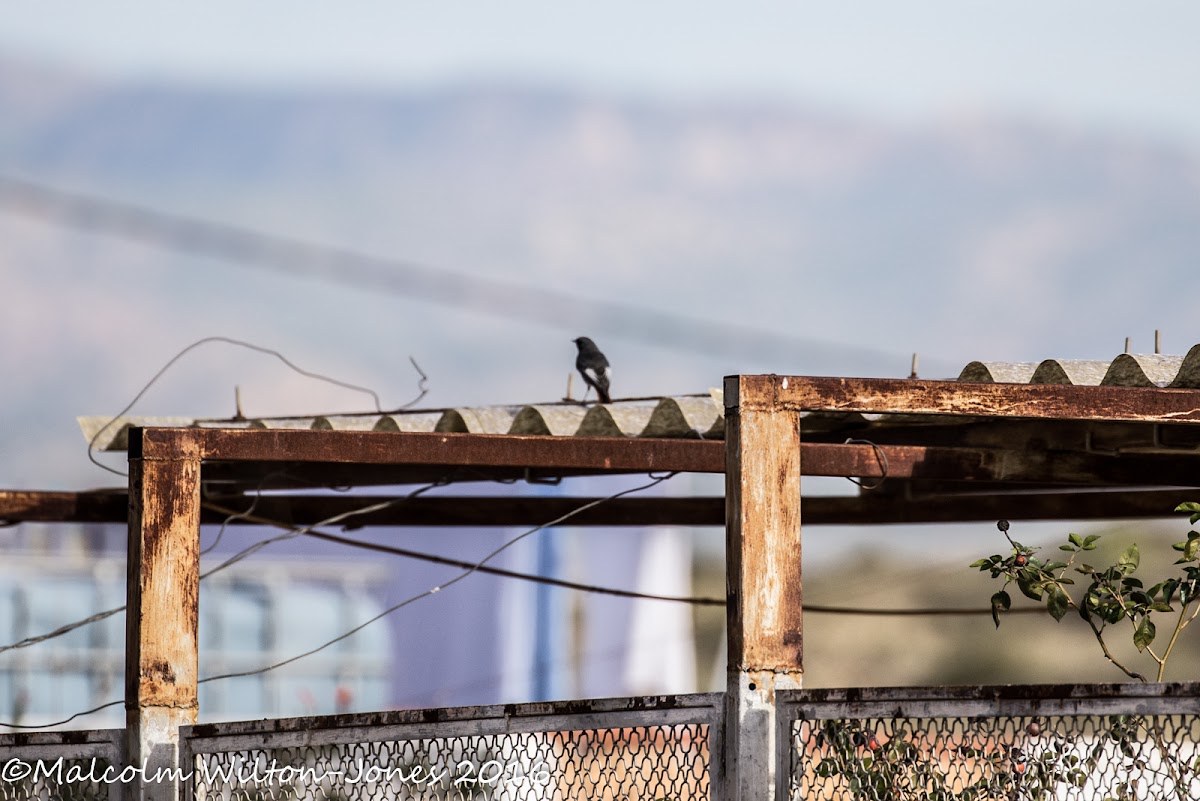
[
  {"x": 1108, "y": 654},
  {"x": 1180, "y": 624}
]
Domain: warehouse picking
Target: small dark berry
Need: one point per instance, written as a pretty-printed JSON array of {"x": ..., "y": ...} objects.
[
  {"x": 1033, "y": 729},
  {"x": 1021, "y": 560},
  {"x": 1002, "y": 525}
]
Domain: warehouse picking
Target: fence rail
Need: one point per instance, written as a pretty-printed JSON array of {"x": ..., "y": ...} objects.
[
  {"x": 630, "y": 748},
  {"x": 1129, "y": 742},
  {"x": 64, "y": 765},
  {"x": 1070, "y": 742}
]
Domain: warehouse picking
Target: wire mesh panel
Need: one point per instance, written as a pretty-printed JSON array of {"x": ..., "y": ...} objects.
[
  {"x": 637, "y": 748},
  {"x": 1076, "y": 743},
  {"x": 71, "y": 766}
]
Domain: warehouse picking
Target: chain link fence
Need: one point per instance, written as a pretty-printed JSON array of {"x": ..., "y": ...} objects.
[
  {"x": 619, "y": 749},
  {"x": 1070, "y": 742},
  {"x": 1074, "y": 743},
  {"x": 62, "y": 766}
]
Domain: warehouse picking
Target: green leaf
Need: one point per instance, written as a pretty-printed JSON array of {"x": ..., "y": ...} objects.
[
  {"x": 1143, "y": 635},
  {"x": 1057, "y": 602},
  {"x": 1140, "y": 598},
  {"x": 1030, "y": 588},
  {"x": 1190, "y": 506},
  {"x": 1076, "y": 540},
  {"x": 1129, "y": 559},
  {"x": 1066, "y": 548},
  {"x": 1000, "y": 601},
  {"x": 1169, "y": 587},
  {"x": 982, "y": 564},
  {"x": 1191, "y": 548},
  {"x": 1089, "y": 542}
]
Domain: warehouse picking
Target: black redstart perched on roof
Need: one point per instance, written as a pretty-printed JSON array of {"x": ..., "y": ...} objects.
[{"x": 592, "y": 365}]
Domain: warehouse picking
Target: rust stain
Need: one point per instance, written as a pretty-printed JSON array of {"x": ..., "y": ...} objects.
[{"x": 159, "y": 671}]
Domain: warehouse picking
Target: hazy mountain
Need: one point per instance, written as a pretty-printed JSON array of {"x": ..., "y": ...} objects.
[{"x": 966, "y": 238}]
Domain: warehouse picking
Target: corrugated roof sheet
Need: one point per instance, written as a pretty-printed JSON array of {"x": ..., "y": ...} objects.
[
  {"x": 1126, "y": 370},
  {"x": 680, "y": 416}
]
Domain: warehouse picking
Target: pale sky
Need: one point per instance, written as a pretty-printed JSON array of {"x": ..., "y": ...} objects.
[{"x": 1093, "y": 63}]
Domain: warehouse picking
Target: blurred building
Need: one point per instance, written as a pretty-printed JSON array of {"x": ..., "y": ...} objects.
[{"x": 253, "y": 614}]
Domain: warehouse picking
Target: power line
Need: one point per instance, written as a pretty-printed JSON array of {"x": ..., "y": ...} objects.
[
  {"x": 412, "y": 281},
  {"x": 434, "y": 590},
  {"x": 249, "y": 346},
  {"x": 470, "y": 568},
  {"x": 62, "y": 722},
  {"x": 495, "y": 571},
  {"x": 311, "y": 531},
  {"x": 821, "y": 609},
  {"x": 239, "y": 556}
]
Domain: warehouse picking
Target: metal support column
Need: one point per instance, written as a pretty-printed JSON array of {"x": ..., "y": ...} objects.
[
  {"x": 161, "y": 662},
  {"x": 762, "y": 552}
]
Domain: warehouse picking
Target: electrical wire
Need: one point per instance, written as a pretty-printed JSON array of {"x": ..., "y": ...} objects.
[
  {"x": 470, "y": 568},
  {"x": 234, "y": 515},
  {"x": 295, "y": 257},
  {"x": 62, "y": 722},
  {"x": 818, "y": 609},
  {"x": 59, "y": 632},
  {"x": 238, "y": 343},
  {"x": 495, "y": 571},
  {"x": 821, "y": 609},
  {"x": 239, "y": 556},
  {"x": 655, "y": 481}
]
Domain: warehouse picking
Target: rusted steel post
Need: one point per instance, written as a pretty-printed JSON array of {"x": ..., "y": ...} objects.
[
  {"x": 762, "y": 553},
  {"x": 163, "y": 592}
]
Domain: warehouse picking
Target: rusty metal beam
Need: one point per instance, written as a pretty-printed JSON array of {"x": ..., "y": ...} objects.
[
  {"x": 710, "y": 511},
  {"x": 916, "y": 396},
  {"x": 1019, "y": 464},
  {"x": 482, "y": 511},
  {"x": 161, "y": 648},
  {"x": 872, "y": 508},
  {"x": 470, "y": 450},
  {"x": 98, "y": 506},
  {"x": 360, "y": 458}
]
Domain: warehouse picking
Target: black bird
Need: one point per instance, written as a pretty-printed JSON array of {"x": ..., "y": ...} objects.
[{"x": 592, "y": 365}]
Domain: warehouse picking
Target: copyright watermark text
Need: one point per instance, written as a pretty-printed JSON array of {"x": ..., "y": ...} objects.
[{"x": 488, "y": 775}]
